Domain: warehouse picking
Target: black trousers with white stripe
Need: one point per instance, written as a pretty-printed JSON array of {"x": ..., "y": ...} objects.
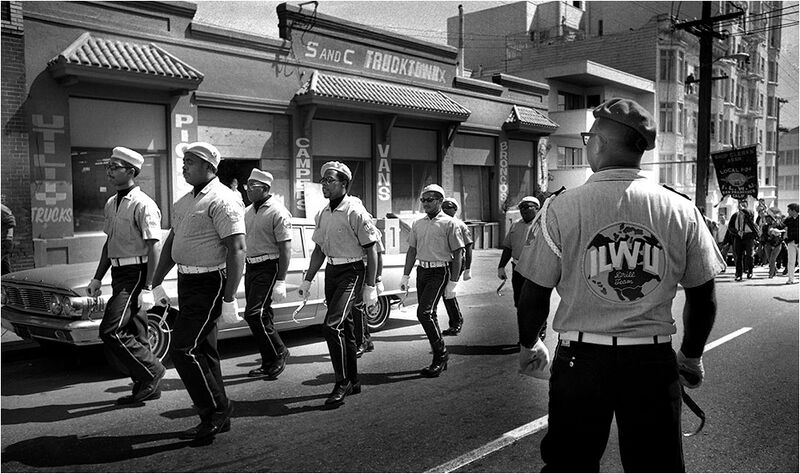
[
  {"x": 430, "y": 289},
  {"x": 259, "y": 280},
  {"x": 343, "y": 285},
  {"x": 194, "y": 340},
  {"x": 124, "y": 327}
]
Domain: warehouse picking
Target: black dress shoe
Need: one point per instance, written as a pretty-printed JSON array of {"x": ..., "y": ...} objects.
[
  {"x": 451, "y": 332},
  {"x": 272, "y": 371},
  {"x": 143, "y": 391},
  {"x": 220, "y": 422},
  {"x": 356, "y": 388},
  {"x": 340, "y": 390},
  {"x": 749, "y": 276},
  {"x": 438, "y": 366},
  {"x": 367, "y": 347}
]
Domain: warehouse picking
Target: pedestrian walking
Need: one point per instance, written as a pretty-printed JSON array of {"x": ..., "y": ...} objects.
[
  {"x": 454, "y": 316},
  {"x": 438, "y": 244},
  {"x": 616, "y": 249},
  {"x": 8, "y": 224},
  {"x": 344, "y": 231},
  {"x": 207, "y": 243},
  {"x": 132, "y": 224},
  {"x": 742, "y": 229},
  {"x": 516, "y": 238},
  {"x": 269, "y": 251},
  {"x": 790, "y": 223}
]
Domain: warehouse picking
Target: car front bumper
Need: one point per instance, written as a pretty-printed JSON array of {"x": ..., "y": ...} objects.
[{"x": 78, "y": 332}]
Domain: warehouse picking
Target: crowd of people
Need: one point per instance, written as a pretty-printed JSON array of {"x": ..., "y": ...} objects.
[{"x": 768, "y": 238}]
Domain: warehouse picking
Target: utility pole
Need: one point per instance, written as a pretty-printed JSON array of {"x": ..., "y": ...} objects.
[{"x": 704, "y": 29}]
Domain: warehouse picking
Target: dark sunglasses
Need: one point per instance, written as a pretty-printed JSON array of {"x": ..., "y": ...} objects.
[
  {"x": 530, "y": 206},
  {"x": 428, "y": 199}
]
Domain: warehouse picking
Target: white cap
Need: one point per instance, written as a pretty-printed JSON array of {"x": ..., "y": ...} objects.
[
  {"x": 128, "y": 156},
  {"x": 451, "y": 201},
  {"x": 435, "y": 188},
  {"x": 529, "y": 199},
  {"x": 205, "y": 151},
  {"x": 261, "y": 176},
  {"x": 337, "y": 166}
]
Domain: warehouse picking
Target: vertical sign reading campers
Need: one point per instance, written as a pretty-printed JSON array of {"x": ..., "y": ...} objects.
[{"x": 303, "y": 173}]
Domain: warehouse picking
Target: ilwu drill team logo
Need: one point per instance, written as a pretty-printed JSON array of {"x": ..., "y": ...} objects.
[{"x": 624, "y": 263}]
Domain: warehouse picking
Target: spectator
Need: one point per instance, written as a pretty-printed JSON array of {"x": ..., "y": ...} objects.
[
  {"x": 744, "y": 233},
  {"x": 8, "y": 225}
]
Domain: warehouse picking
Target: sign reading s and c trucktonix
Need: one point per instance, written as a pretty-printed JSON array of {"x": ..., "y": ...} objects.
[
  {"x": 737, "y": 172},
  {"x": 362, "y": 58}
]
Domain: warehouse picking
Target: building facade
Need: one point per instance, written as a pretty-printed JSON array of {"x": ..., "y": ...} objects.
[
  {"x": 145, "y": 75},
  {"x": 648, "y": 46},
  {"x": 788, "y": 170}
]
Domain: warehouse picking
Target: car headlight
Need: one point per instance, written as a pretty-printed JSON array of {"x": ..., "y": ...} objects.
[{"x": 56, "y": 304}]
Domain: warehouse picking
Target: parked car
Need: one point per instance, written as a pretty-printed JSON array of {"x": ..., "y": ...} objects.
[{"x": 50, "y": 304}]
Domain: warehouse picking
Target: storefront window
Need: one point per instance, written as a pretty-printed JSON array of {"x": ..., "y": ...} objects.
[
  {"x": 471, "y": 188},
  {"x": 91, "y": 190},
  {"x": 96, "y": 127},
  {"x": 408, "y": 179},
  {"x": 520, "y": 170}
]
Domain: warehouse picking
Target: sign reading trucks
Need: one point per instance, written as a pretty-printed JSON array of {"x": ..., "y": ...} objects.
[{"x": 361, "y": 58}]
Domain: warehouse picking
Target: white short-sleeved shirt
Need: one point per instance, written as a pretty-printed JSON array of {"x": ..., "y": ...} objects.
[
  {"x": 435, "y": 239},
  {"x": 128, "y": 226},
  {"x": 462, "y": 228},
  {"x": 344, "y": 231},
  {"x": 202, "y": 221},
  {"x": 626, "y": 244},
  {"x": 266, "y": 227},
  {"x": 517, "y": 237}
]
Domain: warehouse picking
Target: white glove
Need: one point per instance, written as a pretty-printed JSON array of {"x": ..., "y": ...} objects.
[
  {"x": 467, "y": 274},
  {"x": 450, "y": 290},
  {"x": 146, "y": 300},
  {"x": 160, "y": 296},
  {"x": 535, "y": 362},
  {"x": 93, "y": 289},
  {"x": 379, "y": 287},
  {"x": 230, "y": 312},
  {"x": 279, "y": 291},
  {"x": 304, "y": 289},
  {"x": 501, "y": 273},
  {"x": 404, "y": 283},
  {"x": 370, "y": 296},
  {"x": 691, "y": 367}
]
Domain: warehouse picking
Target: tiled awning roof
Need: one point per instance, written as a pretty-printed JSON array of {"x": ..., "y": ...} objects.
[
  {"x": 371, "y": 95},
  {"x": 93, "y": 57},
  {"x": 526, "y": 118}
]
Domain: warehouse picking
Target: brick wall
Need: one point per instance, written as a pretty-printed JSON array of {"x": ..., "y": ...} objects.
[{"x": 15, "y": 169}]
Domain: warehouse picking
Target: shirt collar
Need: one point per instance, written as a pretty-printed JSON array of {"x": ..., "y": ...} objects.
[
  {"x": 129, "y": 194},
  {"x": 617, "y": 174},
  {"x": 437, "y": 216},
  {"x": 343, "y": 206},
  {"x": 208, "y": 186}
]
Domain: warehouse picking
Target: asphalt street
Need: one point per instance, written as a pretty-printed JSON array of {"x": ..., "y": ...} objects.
[{"x": 58, "y": 411}]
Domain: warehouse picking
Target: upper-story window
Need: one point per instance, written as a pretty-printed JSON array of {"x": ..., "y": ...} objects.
[
  {"x": 667, "y": 65},
  {"x": 567, "y": 101}
]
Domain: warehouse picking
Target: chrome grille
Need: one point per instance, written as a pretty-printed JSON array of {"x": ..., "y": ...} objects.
[{"x": 29, "y": 299}]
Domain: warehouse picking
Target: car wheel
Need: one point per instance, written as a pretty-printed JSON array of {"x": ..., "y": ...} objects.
[
  {"x": 377, "y": 322},
  {"x": 159, "y": 337}
]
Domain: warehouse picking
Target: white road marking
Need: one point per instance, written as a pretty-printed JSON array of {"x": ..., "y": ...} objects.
[{"x": 535, "y": 426}]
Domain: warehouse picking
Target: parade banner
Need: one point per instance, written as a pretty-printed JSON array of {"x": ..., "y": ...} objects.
[{"x": 737, "y": 172}]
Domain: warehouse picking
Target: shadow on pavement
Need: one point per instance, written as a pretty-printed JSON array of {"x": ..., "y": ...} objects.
[
  {"x": 72, "y": 450},
  {"x": 265, "y": 407},
  {"x": 51, "y": 413},
  {"x": 500, "y": 349},
  {"x": 786, "y": 300}
]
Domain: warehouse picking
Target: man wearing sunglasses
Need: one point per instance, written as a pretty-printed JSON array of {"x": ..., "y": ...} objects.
[
  {"x": 516, "y": 238},
  {"x": 616, "y": 249},
  {"x": 269, "y": 250},
  {"x": 133, "y": 226},
  {"x": 454, "y": 316},
  {"x": 435, "y": 240},
  {"x": 344, "y": 233}
]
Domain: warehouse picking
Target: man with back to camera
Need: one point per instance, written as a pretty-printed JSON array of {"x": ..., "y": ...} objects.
[
  {"x": 436, "y": 241},
  {"x": 133, "y": 226},
  {"x": 616, "y": 249},
  {"x": 454, "y": 316},
  {"x": 791, "y": 226},
  {"x": 344, "y": 231},
  {"x": 207, "y": 242},
  {"x": 269, "y": 251}
]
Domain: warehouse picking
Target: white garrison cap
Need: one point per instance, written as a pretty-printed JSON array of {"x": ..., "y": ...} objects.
[
  {"x": 261, "y": 176},
  {"x": 337, "y": 166},
  {"x": 529, "y": 199},
  {"x": 128, "y": 156},
  {"x": 205, "y": 151},
  {"x": 435, "y": 188}
]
